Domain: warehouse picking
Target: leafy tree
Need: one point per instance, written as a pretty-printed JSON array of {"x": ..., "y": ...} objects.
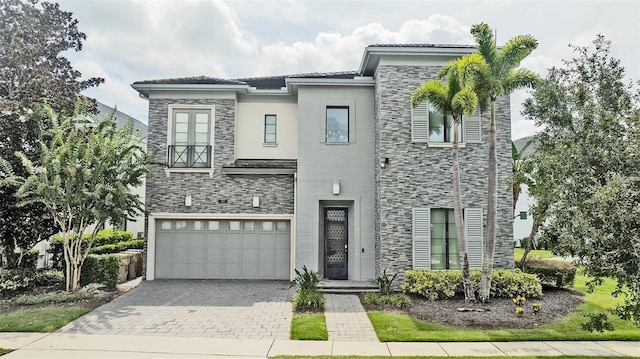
[
  {"x": 500, "y": 76},
  {"x": 453, "y": 99},
  {"x": 588, "y": 156},
  {"x": 33, "y": 38},
  {"x": 84, "y": 176}
]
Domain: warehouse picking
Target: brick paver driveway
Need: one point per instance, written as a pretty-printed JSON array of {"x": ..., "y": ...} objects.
[{"x": 195, "y": 308}]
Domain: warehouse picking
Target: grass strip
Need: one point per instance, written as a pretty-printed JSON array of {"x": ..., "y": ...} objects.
[
  {"x": 309, "y": 327},
  {"x": 39, "y": 320}
]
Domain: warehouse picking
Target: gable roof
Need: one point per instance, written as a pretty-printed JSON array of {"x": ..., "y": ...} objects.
[{"x": 121, "y": 119}]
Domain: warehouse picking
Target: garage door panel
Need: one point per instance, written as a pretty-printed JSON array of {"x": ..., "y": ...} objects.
[
  {"x": 196, "y": 270},
  {"x": 230, "y": 249},
  {"x": 233, "y": 270}
]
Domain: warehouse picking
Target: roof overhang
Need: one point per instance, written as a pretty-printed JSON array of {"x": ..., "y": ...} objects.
[
  {"x": 372, "y": 54},
  {"x": 145, "y": 89}
]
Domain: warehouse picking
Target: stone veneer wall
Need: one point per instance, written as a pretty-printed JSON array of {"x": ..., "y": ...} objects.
[
  {"x": 420, "y": 176},
  {"x": 166, "y": 194}
]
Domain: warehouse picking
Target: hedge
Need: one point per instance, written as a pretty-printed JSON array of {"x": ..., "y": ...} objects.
[
  {"x": 103, "y": 238},
  {"x": 101, "y": 268},
  {"x": 551, "y": 272},
  {"x": 435, "y": 285},
  {"x": 118, "y": 247}
]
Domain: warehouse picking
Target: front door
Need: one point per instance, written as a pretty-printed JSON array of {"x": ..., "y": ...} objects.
[{"x": 335, "y": 243}]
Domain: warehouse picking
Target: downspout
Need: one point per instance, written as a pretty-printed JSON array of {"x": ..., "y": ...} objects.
[{"x": 293, "y": 227}]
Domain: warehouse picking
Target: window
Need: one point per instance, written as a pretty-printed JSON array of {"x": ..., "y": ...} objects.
[
  {"x": 337, "y": 126},
  {"x": 434, "y": 239},
  {"x": 270, "y": 126},
  {"x": 429, "y": 125},
  {"x": 190, "y": 144},
  {"x": 441, "y": 129},
  {"x": 444, "y": 247}
]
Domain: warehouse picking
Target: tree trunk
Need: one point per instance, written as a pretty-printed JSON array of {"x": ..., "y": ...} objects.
[
  {"x": 469, "y": 295},
  {"x": 529, "y": 246},
  {"x": 490, "y": 239}
]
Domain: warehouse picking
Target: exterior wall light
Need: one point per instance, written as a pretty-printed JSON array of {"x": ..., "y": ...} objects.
[
  {"x": 187, "y": 200},
  {"x": 336, "y": 187},
  {"x": 256, "y": 200},
  {"x": 384, "y": 162}
]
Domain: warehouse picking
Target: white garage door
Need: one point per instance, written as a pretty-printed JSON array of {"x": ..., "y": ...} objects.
[{"x": 222, "y": 249}]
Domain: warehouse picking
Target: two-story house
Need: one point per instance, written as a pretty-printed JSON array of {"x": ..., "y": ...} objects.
[{"x": 333, "y": 171}]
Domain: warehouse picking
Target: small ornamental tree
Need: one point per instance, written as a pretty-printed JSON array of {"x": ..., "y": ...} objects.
[{"x": 84, "y": 177}]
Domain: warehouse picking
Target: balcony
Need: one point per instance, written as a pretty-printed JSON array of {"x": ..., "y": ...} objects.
[{"x": 189, "y": 156}]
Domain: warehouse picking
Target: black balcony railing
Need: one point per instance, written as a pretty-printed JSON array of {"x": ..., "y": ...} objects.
[{"x": 189, "y": 156}]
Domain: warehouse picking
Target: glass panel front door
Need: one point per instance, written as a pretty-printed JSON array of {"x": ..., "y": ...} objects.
[{"x": 335, "y": 243}]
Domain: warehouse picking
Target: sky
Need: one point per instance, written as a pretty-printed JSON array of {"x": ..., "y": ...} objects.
[{"x": 134, "y": 40}]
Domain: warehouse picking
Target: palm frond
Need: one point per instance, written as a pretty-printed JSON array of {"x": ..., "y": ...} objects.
[
  {"x": 433, "y": 91},
  {"x": 519, "y": 78},
  {"x": 483, "y": 35},
  {"x": 465, "y": 101},
  {"x": 514, "y": 51}
]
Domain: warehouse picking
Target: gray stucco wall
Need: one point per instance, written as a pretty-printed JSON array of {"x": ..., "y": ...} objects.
[
  {"x": 420, "y": 176},
  {"x": 319, "y": 164}
]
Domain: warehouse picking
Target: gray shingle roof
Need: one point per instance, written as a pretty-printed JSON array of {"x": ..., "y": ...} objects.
[
  {"x": 453, "y": 46},
  {"x": 261, "y": 83}
]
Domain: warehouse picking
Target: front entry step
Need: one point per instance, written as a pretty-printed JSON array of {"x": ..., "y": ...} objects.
[{"x": 346, "y": 287}]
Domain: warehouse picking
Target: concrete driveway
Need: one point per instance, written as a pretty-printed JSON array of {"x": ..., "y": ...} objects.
[{"x": 195, "y": 308}]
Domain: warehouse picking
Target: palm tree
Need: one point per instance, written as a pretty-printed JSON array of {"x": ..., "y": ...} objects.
[
  {"x": 452, "y": 99},
  {"x": 499, "y": 77}
]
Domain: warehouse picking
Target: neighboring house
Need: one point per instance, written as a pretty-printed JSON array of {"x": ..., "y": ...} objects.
[
  {"x": 522, "y": 227},
  {"x": 332, "y": 171},
  {"x": 135, "y": 225}
]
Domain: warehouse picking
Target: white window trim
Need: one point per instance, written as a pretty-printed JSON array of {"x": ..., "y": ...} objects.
[{"x": 171, "y": 108}]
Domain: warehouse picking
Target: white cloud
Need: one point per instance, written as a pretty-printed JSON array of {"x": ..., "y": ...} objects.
[{"x": 331, "y": 51}]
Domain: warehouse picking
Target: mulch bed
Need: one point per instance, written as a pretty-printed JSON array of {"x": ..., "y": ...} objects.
[{"x": 499, "y": 313}]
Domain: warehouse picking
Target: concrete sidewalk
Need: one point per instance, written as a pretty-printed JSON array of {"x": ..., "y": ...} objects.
[{"x": 69, "y": 346}]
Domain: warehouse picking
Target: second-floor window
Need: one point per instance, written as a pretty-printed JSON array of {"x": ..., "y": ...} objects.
[
  {"x": 190, "y": 145},
  {"x": 270, "y": 127},
  {"x": 430, "y": 125},
  {"x": 337, "y": 126}
]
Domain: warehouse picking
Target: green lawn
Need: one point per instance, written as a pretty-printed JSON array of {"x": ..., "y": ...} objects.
[
  {"x": 4, "y": 351},
  {"x": 309, "y": 327},
  {"x": 392, "y": 327},
  {"x": 518, "y": 252},
  {"x": 39, "y": 320}
]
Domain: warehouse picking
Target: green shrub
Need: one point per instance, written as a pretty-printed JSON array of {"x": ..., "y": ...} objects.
[
  {"x": 384, "y": 283},
  {"x": 103, "y": 238},
  {"x": 435, "y": 285},
  {"x": 101, "y": 268},
  {"x": 29, "y": 259},
  {"x": 49, "y": 278},
  {"x": 307, "y": 280},
  {"x": 550, "y": 272},
  {"x": 371, "y": 298},
  {"x": 118, "y": 247},
  {"x": 15, "y": 280},
  {"x": 308, "y": 300}
]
